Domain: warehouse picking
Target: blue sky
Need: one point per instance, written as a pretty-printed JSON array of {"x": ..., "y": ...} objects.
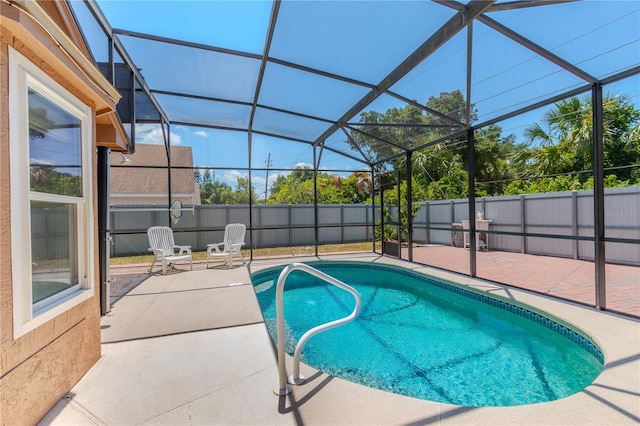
[{"x": 349, "y": 42}]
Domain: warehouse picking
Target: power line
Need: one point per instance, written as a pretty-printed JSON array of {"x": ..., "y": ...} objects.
[{"x": 266, "y": 183}]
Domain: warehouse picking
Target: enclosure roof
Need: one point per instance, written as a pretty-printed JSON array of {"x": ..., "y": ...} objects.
[{"x": 305, "y": 71}]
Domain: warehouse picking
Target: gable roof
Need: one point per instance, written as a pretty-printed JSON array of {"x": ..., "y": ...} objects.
[{"x": 146, "y": 174}]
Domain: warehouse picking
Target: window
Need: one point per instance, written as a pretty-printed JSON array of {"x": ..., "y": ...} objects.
[{"x": 51, "y": 196}]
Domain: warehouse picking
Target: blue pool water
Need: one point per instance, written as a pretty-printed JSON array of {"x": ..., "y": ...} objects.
[{"x": 424, "y": 338}]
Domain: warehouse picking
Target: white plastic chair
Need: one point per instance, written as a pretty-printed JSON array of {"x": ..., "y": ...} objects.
[
  {"x": 164, "y": 249},
  {"x": 230, "y": 247}
]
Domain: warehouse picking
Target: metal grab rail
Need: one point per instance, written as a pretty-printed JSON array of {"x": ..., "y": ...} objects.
[{"x": 283, "y": 388}]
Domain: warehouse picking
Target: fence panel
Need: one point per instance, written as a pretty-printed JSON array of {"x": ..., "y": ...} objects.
[
  {"x": 329, "y": 215},
  {"x": 559, "y": 214},
  {"x": 302, "y": 215}
]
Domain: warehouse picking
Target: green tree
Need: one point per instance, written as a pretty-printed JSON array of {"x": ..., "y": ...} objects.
[
  {"x": 297, "y": 188},
  {"x": 452, "y": 105},
  {"x": 244, "y": 191},
  {"x": 391, "y": 200},
  {"x": 544, "y": 184},
  {"x": 440, "y": 168},
  {"x": 48, "y": 180},
  {"x": 216, "y": 193},
  {"x": 222, "y": 193},
  {"x": 279, "y": 182},
  {"x": 494, "y": 156},
  {"x": 206, "y": 176},
  {"x": 563, "y": 142},
  {"x": 333, "y": 189},
  {"x": 356, "y": 188},
  {"x": 622, "y": 137}
]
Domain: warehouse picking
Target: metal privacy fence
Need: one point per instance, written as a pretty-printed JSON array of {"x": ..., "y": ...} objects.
[
  {"x": 557, "y": 224},
  {"x": 273, "y": 225}
]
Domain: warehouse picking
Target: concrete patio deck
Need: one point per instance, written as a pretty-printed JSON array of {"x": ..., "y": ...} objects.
[{"x": 191, "y": 347}]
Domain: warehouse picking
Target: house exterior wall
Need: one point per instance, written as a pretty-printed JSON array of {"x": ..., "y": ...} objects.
[{"x": 41, "y": 366}]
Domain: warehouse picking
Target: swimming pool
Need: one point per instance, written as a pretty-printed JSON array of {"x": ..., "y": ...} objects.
[{"x": 429, "y": 339}]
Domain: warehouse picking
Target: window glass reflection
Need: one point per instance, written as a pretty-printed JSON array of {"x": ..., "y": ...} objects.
[
  {"x": 54, "y": 249},
  {"x": 54, "y": 148}
]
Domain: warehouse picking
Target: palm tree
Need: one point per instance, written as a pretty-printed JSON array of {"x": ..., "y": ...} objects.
[{"x": 568, "y": 127}]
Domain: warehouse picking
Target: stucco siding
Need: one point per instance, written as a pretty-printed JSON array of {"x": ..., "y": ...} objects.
[
  {"x": 41, "y": 366},
  {"x": 30, "y": 390}
]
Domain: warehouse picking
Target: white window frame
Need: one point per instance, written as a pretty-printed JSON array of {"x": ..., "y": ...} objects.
[{"x": 24, "y": 75}]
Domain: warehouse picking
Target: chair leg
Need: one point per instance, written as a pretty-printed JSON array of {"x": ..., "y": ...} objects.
[{"x": 164, "y": 266}]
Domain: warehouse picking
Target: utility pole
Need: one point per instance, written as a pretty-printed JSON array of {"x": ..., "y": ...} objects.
[{"x": 266, "y": 183}]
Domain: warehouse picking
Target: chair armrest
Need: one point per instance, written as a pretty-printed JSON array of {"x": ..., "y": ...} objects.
[
  {"x": 215, "y": 246},
  {"x": 184, "y": 249},
  {"x": 157, "y": 253}
]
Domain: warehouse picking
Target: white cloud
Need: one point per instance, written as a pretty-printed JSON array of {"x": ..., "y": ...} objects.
[
  {"x": 274, "y": 176},
  {"x": 304, "y": 165},
  {"x": 201, "y": 133},
  {"x": 258, "y": 181},
  {"x": 152, "y": 134},
  {"x": 35, "y": 161},
  {"x": 231, "y": 176}
]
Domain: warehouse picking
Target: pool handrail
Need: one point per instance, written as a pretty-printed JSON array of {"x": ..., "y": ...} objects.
[{"x": 283, "y": 387}]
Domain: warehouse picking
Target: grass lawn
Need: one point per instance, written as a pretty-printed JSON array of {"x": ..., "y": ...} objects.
[{"x": 260, "y": 252}]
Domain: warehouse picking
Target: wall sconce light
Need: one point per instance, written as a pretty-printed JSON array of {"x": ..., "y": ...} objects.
[{"x": 125, "y": 160}]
